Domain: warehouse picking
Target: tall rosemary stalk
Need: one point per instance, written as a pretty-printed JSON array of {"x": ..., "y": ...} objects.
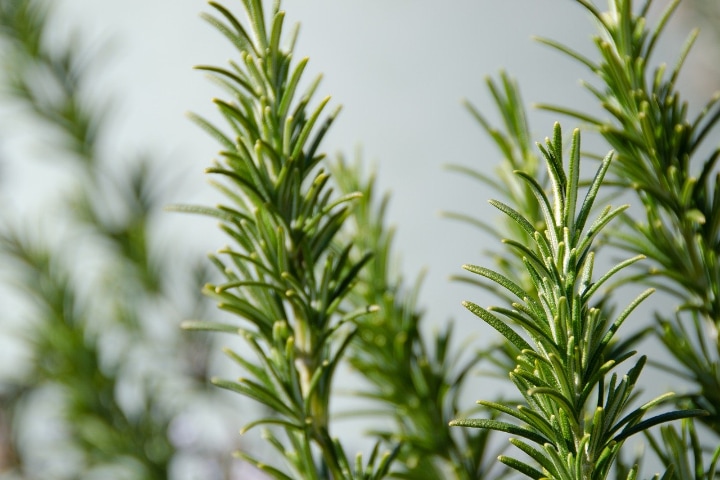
[
  {"x": 287, "y": 273},
  {"x": 576, "y": 412},
  {"x": 668, "y": 158}
]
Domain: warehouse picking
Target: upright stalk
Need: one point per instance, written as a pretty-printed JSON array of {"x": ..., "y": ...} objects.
[
  {"x": 565, "y": 340},
  {"x": 288, "y": 272}
]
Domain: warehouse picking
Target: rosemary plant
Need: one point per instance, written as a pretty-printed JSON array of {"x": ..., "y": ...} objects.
[
  {"x": 287, "y": 274},
  {"x": 572, "y": 352},
  {"x": 663, "y": 156}
]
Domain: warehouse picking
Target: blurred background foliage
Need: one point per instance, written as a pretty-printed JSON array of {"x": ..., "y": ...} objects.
[{"x": 103, "y": 380}]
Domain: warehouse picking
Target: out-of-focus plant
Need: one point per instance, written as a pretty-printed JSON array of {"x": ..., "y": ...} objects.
[
  {"x": 513, "y": 140},
  {"x": 416, "y": 381},
  {"x": 88, "y": 332}
]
